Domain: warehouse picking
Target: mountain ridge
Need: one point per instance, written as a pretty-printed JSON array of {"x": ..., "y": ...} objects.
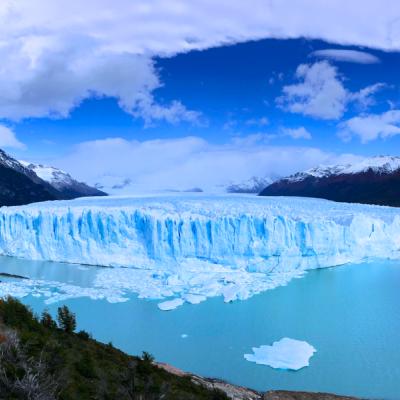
[
  {"x": 62, "y": 181},
  {"x": 24, "y": 183},
  {"x": 374, "y": 180}
]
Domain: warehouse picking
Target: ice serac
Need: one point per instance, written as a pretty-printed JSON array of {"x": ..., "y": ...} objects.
[{"x": 195, "y": 232}]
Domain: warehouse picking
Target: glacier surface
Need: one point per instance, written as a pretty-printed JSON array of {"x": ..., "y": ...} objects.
[
  {"x": 286, "y": 353},
  {"x": 190, "y": 247}
]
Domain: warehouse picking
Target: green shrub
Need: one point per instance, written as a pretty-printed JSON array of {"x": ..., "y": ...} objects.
[
  {"x": 84, "y": 335},
  {"x": 85, "y": 366}
]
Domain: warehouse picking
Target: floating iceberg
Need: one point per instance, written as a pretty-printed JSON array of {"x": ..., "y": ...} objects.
[
  {"x": 285, "y": 354},
  {"x": 170, "y": 304},
  {"x": 190, "y": 247}
]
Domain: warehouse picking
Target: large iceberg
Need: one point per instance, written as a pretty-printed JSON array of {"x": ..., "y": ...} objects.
[
  {"x": 191, "y": 246},
  {"x": 287, "y": 353}
]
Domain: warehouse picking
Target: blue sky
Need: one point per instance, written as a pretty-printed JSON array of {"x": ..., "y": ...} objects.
[
  {"x": 239, "y": 84},
  {"x": 235, "y": 89},
  {"x": 102, "y": 107}
]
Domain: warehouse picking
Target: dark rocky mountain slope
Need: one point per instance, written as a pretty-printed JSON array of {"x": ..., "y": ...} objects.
[
  {"x": 375, "y": 180},
  {"x": 20, "y": 184},
  {"x": 63, "y": 182}
]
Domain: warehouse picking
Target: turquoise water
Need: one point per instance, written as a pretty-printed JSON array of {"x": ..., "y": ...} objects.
[{"x": 350, "y": 314}]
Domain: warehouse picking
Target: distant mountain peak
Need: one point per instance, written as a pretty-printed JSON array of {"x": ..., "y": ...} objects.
[
  {"x": 20, "y": 185},
  {"x": 373, "y": 180},
  {"x": 378, "y": 164},
  {"x": 253, "y": 185},
  {"x": 62, "y": 181}
]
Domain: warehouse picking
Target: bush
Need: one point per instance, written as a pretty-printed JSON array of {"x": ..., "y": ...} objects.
[
  {"x": 84, "y": 335},
  {"x": 16, "y": 315},
  {"x": 22, "y": 376},
  {"x": 85, "y": 366}
]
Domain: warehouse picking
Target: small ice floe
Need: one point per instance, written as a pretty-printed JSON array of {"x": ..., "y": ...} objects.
[
  {"x": 284, "y": 354},
  {"x": 184, "y": 336},
  {"x": 194, "y": 298},
  {"x": 170, "y": 304}
]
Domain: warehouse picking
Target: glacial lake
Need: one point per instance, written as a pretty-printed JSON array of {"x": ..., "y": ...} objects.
[{"x": 350, "y": 314}]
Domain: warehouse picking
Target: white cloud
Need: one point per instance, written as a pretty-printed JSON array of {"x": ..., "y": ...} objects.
[
  {"x": 176, "y": 26},
  {"x": 320, "y": 92},
  {"x": 354, "y": 56},
  {"x": 297, "y": 133},
  {"x": 263, "y": 121},
  {"x": 371, "y": 126},
  {"x": 54, "y": 82},
  {"x": 55, "y": 53},
  {"x": 187, "y": 162},
  {"x": 254, "y": 139},
  {"x": 9, "y": 139}
]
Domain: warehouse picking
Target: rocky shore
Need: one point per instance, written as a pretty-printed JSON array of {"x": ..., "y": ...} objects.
[{"x": 235, "y": 392}]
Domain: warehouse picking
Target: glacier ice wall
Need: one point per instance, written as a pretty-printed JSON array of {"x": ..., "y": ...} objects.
[{"x": 253, "y": 234}]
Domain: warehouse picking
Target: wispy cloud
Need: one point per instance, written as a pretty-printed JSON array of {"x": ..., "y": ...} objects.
[
  {"x": 259, "y": 122},
  {"x": 365, "y": 96},
  {"x": 344, "y": 55},
  {"x": 297, "y": 133}
]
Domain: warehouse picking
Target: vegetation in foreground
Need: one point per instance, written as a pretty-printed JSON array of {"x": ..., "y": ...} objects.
[{"x": 41, "y": 359}]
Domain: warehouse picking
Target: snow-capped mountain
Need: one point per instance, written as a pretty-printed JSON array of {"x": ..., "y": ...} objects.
[
  {"x": 20, "y": 185},
  {"x": 62, "y": 181},
  {"x": 23, "y": 183},
  {"x": 379, "y": 164},
  {"x": 253, "y": 185},
  {"x": 374, "y": 180}
]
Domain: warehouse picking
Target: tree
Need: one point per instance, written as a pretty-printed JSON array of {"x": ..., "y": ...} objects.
[
  {"x": 47, "y": 320},
  {"x": 66, "y": 319},
  {"x": 147, "y": 357},
  {"x": 145, "y": 365}
]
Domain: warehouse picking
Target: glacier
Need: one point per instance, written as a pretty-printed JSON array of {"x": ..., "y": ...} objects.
[{"x": 193, "y": 246}]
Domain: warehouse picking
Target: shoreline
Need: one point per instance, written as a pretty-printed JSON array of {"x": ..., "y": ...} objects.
[{"x": 236, "y": 392}]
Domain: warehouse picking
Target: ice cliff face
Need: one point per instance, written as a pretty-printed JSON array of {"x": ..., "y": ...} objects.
[
  {"x": 190, "y": 247},
  {"x": 177, "y": 233}
]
